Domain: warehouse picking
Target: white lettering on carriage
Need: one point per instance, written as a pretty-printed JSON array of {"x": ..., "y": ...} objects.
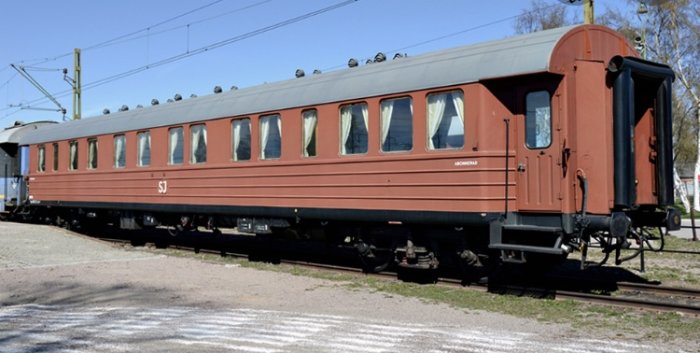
[
  {"x": 470, "y": 163},
  {"x": 162, "y": 186}
]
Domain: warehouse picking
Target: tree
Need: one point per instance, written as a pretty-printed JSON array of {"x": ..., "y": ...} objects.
[{"x": 543, "y": 15}]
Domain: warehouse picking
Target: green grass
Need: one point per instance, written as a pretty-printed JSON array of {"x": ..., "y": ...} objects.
[{"x": 625, "y": 323}]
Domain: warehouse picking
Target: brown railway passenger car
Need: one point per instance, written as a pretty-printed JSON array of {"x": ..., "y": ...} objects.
[{"x": 520, "y": 148}]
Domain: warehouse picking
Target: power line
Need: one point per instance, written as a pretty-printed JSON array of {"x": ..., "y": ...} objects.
[
  {"x": 106, "y": 42},
  {"x": 435, "y": 39},
  {"x": 151, "y": 34},
  {"x": 200, "y": 50},
  {"x": 98, "y": 45}
]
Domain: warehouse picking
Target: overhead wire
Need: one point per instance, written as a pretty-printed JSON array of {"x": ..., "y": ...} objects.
[
  {"x": 151, "y": 34},
  {"x": 449, "y": 35},
  {"x": 234, "y": 39},
  {"x": 200, "y": 50},
  {"x": 38, "y": 61}
]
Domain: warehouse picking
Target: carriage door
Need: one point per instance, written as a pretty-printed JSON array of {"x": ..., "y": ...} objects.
[{"x": 538, "y": 175}]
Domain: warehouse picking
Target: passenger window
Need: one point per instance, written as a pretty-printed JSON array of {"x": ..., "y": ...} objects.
[
  {"x": 397, "y": 124},
  {"x": 119, "y": 151},
  {"x": 309, "y": 124},
  {"x": 538, "y": 120},
  {"x": 198, "y": 144},
  {"x": 353, "y": 128},
  {"x": 73, "y": 157},
  {"x": 175, "y": 142},
  {"x": 92, "y": 154},
  {"x": 55, "y": 157},
  {"x": 42, "y": 159},
  {"x": 270, "y": 137},
  {"x": 143, "y": 151},
  {"x": 241, "y": 139},
  {"x": 445, "y": 120}
]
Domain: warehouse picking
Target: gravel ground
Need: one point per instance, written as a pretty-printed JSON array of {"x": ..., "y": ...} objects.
[{"x": 61, "y": 292}]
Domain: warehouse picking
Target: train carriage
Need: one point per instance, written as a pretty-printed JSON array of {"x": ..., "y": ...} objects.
[
  {"x": 514, "y": 149},
  {"x": 12, "y": 166}
]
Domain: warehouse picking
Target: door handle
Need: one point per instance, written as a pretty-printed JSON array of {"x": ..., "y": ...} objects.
[{"x": 521, "y": 167}]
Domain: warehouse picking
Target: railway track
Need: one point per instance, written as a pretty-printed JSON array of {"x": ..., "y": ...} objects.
[{"x": 629, "y": 295}]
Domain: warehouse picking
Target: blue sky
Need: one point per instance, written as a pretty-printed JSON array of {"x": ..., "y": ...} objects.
[{"x": 32, "y": 31}]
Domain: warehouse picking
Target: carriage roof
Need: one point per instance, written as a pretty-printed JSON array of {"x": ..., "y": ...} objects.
[{"x": 518, "y": 55}]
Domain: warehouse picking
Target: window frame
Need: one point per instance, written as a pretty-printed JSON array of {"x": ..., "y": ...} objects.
[
  {"x": 314, "y": 135},
  {"x": 89, "y": 165},
  {"x": 261, "y": 148},
  {"x": 193, "y": 150},
  {"x": 73, "y": 158},
  {"x": 115, "y": 138},
  {"x": 55, "y": 156},
  {"x": 171, "y": 150},
  {"x": 234, "y": 156},
  {"x": 550, "y": 126},
  {"x": 381, "y": 124},
  {"x": 41, "y": 159},
  {"x": 139, "y": 158},
  {"x": 428, "y": 138},
  {"x": 340, "y": 128}
]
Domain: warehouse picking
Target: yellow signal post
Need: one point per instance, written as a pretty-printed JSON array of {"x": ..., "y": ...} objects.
[
  {"x": 588, "y": 13},
  {"x": 76, "y": 85}
]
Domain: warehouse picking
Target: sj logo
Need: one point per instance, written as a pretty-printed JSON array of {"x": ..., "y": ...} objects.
[{"x": 162, "y": 187}]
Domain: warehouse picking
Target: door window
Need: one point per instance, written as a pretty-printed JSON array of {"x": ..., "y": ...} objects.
[{"x": 538, "y": 120}]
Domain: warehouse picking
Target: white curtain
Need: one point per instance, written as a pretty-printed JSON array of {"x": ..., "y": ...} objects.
[
  {"x": 279, "y": 128},
  {"x": 199, "y": 137},
  {"x": 73, "y": 155},
  {"x": 174, "y": 137},
  {"x": 236, "y": 137},
  {"x": 345, "y": 124},
  {"x": 365, "y": 115},
  {"x": 387, "y": 111},
  {"x": 436, "y": 112},
  {"x": 310, "y": 121},
  {"x": 42, "y": 159},
  {"x": 144, "y": 146},
  {"x": 119, "y": 151},
  {"x": 458, "y": 102},
  {"x": 92, "y": 154},
  {"x": 264, "y": 131}
]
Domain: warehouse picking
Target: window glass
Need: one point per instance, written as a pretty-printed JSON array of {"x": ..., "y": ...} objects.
[
  {"x": 241, "y": 139},
  {"x": 119, "y": 151},
  {"x": 397, "y": 124},
  {"x": 143, "y": 149},
  {"x": 309, "y": 123},
  {"x": 42, "y": 159},
  {"x": 92, "y": 154},
  {"x": 198, "y": 144},
  {"x": 270, "y": 137},
  {"x": 538, "y": 120},
  {"x": 175, "y": 142},
  {"x": 445, "y": 120},
  {"x": 55, "y": 156},
  {"x": 73, "y": 157},
  {"x": 353, "y": 128}
]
